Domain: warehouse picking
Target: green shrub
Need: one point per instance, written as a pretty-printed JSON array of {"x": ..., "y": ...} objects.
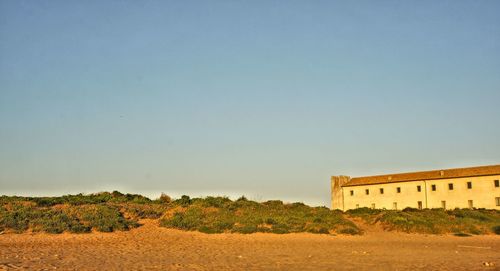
[
  {"x": 350, "y": 231},
  {"x": 281, "y": 228},
  {"x": 16, "y": 218},
  {"x": 140, "y": 211},
  {"x": 164, "y": 198},
  {"x": 363, "y": 211},
  {"x": 461, "y": 234},
  {"x": 270, "y": 221},
  {"x": 217, "y": 202},
  {"x": 105, "y": 218},
  {"x": 183, "y": 201},
  {"x": 273, "y": 203},
  {"x": 496, "y": 229},
  {"x": 319, "y": 230},
  {"x": 191, "y": 219},
  {"x": 51, "y": 221},
  {"x": 246, "y": 229},
  {"x": 242, "y": 198},
  {"x": 409, "y": 209}
]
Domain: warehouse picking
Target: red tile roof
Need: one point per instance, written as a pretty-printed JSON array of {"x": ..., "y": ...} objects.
[{"x": 426, "y": 175}]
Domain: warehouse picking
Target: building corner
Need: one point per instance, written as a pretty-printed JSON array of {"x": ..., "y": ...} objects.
[{"x": 337, "y": 195}]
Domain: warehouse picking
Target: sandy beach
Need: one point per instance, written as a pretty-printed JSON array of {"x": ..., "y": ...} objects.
[{"x": 153, "y": 248}]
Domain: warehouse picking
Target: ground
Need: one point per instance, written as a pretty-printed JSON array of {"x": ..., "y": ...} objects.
[{"x": 154, "y": 248}]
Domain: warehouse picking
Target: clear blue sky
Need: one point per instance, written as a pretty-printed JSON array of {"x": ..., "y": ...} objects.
[{"x": 261, "y": 98}]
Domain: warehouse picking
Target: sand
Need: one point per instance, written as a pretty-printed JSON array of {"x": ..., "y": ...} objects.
[{"x": 153, "y": 248}]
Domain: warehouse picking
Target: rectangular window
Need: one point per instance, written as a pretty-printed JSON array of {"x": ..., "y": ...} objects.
[
  {"x": 497, "y": 201},
  {"x": 471, "y": 204},
  {"x": 419, "y": 205},
  {"x": 367, "y": 191},
  {"x": 398, "y": 189},
  {"x": 433, "y": 187},
  {"x": 450, "y": 186},
  {"x": 443, "y": 204},
  {"x": 395, "y": 205},
  {"x": 352, "y": 192},
  {"x": 373, "y": 205},
  {"x": 497, "y": 183},
  {"x": 381, "y": 191},
  {"x": 469, "y": 185},
  {"x": 419, "y": 188}
]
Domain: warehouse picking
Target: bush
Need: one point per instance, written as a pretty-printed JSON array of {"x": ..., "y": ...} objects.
[
  {"x": 496, "y": 229},
  {"x": 281, "y": 228},
  {"x": 16, "y": 218},
  {"x": 320, "y": 230},
  {"x": 246, "y": 229},
  {"x": 164, "y": 198},
  {"x": 363, "y": 211},
  {"x": 105, "y": 218},
  {"x": 273, "y": 203},
  {"x": 350, "y": 231},
  {"x": 188, "y": 220},
  {"x": 140, "y": 211},
  {"x": 183, "y": 201},
  {"x": 409, "y": 209},
  {"x": 217, "y": 202}
]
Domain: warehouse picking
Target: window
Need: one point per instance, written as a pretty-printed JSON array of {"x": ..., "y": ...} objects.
[
  {"x": 395, "y": 205},
  {"x": 352, "y": 192},
  {"x": 471, "y": 204},
  {"x": 443, "y": 204},
  {"x": 433, "y": 187},
  {"x": 398, "y": 189},
  {"x": 419, "y": 188},
  {"x": 381, "y": 191},
  {"x": 373, "y": 205},
  {"x": 497, "y": 184},
  {"x": 469, "y": 185},
  {"x": 450, "y": 186},
  {"x": 419, "y": 205},
  {"x": 367, "y": 191},
  {"x": 497, "y": 201}
]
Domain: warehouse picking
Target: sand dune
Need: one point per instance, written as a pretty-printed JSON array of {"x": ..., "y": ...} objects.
[{"x": 153, "y": 248}]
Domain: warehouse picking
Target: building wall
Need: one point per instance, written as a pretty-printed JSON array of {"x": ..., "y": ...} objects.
[
  {"x": 408, "y": 196},
  {"x": 482, "y": 194}
]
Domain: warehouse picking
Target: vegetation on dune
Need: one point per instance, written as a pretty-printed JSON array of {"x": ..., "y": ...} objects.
[
  {"x": 105, "y": 212},
  {"x": 220, "y": 214},
  {"x": 81, "y": 199},
  {"x": 435, "y": 221},
  {"x": 108, "y": 212},
  {"x": 21, "y": 216},
  {"x": 116, "y": 211}
]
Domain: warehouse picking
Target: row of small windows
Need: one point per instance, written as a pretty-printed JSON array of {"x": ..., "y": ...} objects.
[
  {"x": 381, "y": 190},
  {"x": 419, "y": 188},
  {"x": 470, "y": 203}
]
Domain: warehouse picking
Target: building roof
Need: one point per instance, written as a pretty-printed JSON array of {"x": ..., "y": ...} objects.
[{"x": 426, "y": 175}]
